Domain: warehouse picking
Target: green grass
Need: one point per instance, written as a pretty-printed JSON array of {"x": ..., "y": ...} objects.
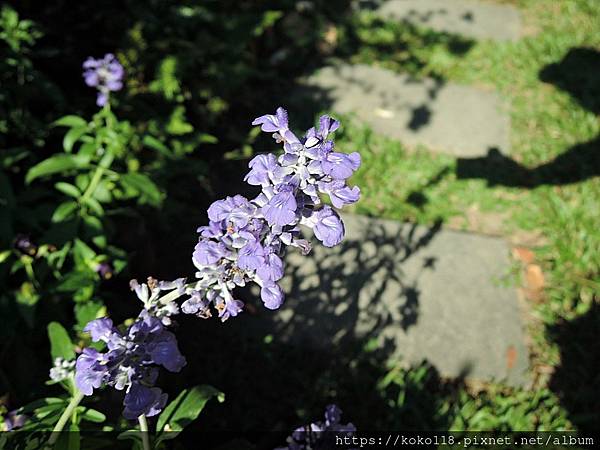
[{"x": 554, "y": 208}]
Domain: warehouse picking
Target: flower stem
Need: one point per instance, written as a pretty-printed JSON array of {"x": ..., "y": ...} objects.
[
  {"x": 144, "y": 432},
  {"x": 67, "y": 413}
]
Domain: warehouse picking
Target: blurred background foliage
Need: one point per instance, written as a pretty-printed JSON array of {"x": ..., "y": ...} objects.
[{"x": 196, "y": 74}]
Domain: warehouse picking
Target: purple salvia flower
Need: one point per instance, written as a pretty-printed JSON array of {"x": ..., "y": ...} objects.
[
  {"x": 90, "y": 372},
  {"x": 339, "y": 165},
  {"x": 105, "y": 270},
  {"x": 131, "y": 359},
  {"x": 319, "y": 434},
  {"x": 105, "y": 74},
  {"x": 328, "y": 227},
  {"x": 100, "y": 329},
  {"x": 272, "y": 295},
  {"x": 263, "y": 170},
  {"x": 245, "y": 240},
  {"x": 13, "y": 420},
  {"x": 339, "y": 193},
  {"x": 25, "y": 245},
  {"x": 281, "y": 209},
  {"x": 277, "y": 122},
  {"x": 140, "y": 399}
]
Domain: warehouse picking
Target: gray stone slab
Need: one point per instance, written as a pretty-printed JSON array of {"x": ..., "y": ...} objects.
[
  {"x": 422, "y": 293},
  {"x": 449, "y": 118},
  {"x": 467, "y": 17}
]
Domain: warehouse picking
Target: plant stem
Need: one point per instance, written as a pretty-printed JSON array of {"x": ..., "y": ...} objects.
[
  {"x": 144, "y": 432},
  {"x": 62, "y": 421}
]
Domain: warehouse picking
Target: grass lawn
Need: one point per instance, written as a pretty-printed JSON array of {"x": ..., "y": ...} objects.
[{"x": 544, "y": 197}]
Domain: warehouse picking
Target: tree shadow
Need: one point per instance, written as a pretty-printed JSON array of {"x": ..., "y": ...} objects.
[
  {"x": 577, "y": 74},
  {"x": 576, "y": 164},
  {"x": 576, "y": 380},
  {"x": 330, "y": 292}
]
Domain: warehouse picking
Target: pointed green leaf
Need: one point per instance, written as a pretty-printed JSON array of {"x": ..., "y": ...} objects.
[
  {"x": 144, "y": 185},
  {"x": 184, "y": 409},
  {"x": 54, "y": 164},
  {"x": 72, "y": 136},
  {"x": 91, "y": 415},
  {"x": 70, "y": 121},
  {"x": 64, "y": 211},
  {"x": 4, "y": 255},
  {"x": 68, "y": 189},
  {"x": 60, "y": 342},
  {"x": 155, "y": 144}
]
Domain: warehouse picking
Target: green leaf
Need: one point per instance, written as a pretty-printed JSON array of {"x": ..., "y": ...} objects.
[
  {"x": 64, "y": 211},
  {"x": 88, "y": 311},
  {"x": 184, "y": 409},
  {"x": 177, "y": 124},
  {"x": 144, "y": 185},
  {"x": 60, "y": 342},
  {"x": 4, "y": 255},
  {"x": 82, "y": 252},
  {"x": 70, "y": 121},
  {"x": 206, "y": 138},
  {"x": 102, "y": 192},
  {"x": 54, "y": 164},
  {"x": 76, "y": 280},
  {"x": 268, "y": 20},
  {"x": 54, "y": 402},
  {"x": 91, "y": 415},
  {"x": 155, "y": 144},
  {"x": 95, "y": 206},
  {"x": 68, "y": 189},
  {"x": 130, "y": 434},
  {"x": 72, "y": 136}
]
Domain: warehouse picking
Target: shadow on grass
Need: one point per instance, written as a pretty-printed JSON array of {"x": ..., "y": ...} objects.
[
  {"x": 577, "y": 74},
  {"x": 576, "y": 380}
]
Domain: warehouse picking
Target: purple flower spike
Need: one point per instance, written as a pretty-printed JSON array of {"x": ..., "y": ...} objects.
[
  {"x": 131, "y": 359},
  {"x": 246, "y": 240},
  {"x": 13, "y": 420},
  {"x": 319, "y": 434},
  {"x": 105, "y": 74}
]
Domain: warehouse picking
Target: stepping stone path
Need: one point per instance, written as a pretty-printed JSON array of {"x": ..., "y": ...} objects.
[
  {"x": 422, "y": 293},
  {"x": 469, "y": 18},
  {"x": 448, "y": 118},
  {"x": 419, "y": 293}
]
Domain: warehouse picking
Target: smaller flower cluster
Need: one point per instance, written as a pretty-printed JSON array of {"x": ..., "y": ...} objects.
[
  {"x": 320, "y": 435},
  {"x": 245, "y": 240},
  {"x": 130, "y": 362},
  {"x": 62, "y": 369},
  {"x": 13, "y": 420},
  {"x": 150, "y": 294},
  {"x": 25, "y": 245},
  {"x": 105, "y": 74}
]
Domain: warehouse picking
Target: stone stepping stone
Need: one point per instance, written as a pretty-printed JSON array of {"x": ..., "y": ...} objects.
[
  {"x": 447, "y": 118},
  {"x": 422, "y": 293},
  {"x": 466, "y": 17}
]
